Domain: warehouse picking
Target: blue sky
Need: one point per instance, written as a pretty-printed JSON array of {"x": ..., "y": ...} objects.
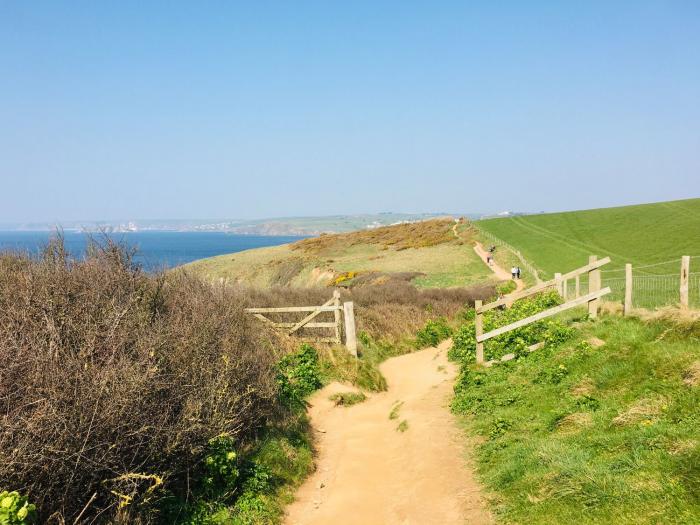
[{"x": 244, "y": 110}]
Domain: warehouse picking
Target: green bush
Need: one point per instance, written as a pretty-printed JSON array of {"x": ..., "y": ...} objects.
[
  {"x": 221, "y": 472},
  {"x": 298, "y": 375},
  {"x": 434, "y": 331},
  {"x": 516, "y": 341},
  {"x": 15, "y": 509}
]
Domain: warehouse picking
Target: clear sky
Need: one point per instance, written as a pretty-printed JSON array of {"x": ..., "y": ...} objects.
[{"x": 172, "y": 109}]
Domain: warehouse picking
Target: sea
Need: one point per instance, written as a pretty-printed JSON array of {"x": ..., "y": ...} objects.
[{"x": 155, "y": 250}]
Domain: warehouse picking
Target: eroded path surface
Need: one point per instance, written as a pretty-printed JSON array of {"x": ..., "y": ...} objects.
[{"x": 370, "y": 472}]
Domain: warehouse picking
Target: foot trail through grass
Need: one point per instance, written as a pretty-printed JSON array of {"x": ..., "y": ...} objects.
[{"x": 373, "y": 468}]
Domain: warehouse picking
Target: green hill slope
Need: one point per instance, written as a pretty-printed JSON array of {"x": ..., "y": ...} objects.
[
  {"x": 642, "y": 235},
  {"x": 433, "y": 253}
]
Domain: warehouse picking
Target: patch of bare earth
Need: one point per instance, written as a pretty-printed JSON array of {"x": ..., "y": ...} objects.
[
  {"x": 691, "y": 376},
  {"x": 411, "y": 468}
]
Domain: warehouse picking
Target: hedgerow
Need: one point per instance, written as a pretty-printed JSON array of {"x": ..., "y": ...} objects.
[{"x": 124, "y": 393}]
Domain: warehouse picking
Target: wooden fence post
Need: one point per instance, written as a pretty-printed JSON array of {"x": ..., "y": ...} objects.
[
  {"x": 479, "y": 326},
  {"x": 578, "y": 286},
  {"x": 350, "y": 337},
  {"x": 685, "y": 270},
  {"x": 558, "y": 283},
  {"x": 336, "y": 315},
  {"x": 593, "y": 286},
  {"x": 628, "y": 289}
]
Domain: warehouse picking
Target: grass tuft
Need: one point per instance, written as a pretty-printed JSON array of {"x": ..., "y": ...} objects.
[{"x": 347, "y": 399}]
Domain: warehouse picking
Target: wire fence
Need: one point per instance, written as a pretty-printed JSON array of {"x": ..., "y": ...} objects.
[
  {"x": 650, "y": 287},
  {"x": 648, "y": 291},
  {"x": 501, "y": 243}
]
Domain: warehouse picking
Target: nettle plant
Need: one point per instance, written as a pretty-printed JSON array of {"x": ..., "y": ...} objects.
[{"x": 16, "y": 509}]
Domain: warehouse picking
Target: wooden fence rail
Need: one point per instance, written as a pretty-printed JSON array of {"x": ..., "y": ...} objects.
[
  {"x": 344, "y": 312},
  {"x": 592, "y": 299}
]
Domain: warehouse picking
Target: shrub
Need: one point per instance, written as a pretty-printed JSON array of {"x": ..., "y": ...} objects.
[
  {"x": 299, "y": 374},
  {"x": 516, "y": 341},
  {"x": 220, "y": 470},
  {"x": 114, "y": 382},
  {"x": 434, "y": 331}
]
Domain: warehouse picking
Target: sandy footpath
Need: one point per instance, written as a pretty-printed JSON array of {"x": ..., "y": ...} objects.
[{"x": 369, "y": 472}]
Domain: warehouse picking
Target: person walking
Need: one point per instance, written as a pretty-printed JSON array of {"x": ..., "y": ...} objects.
[
  {"x": 514, "y": 272},
  {"x": 518, "y": 271}
]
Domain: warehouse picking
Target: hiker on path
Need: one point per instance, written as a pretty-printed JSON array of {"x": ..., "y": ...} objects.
[
  {"x": 514, "y": 272},
  {"x": 518, "y": 271},
  {"x": 489, "y": 259}
]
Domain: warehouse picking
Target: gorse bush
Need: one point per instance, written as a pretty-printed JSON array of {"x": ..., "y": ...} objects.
[
  {"x": 16, "y": 509},
  {"x": 434, "y": 331}
]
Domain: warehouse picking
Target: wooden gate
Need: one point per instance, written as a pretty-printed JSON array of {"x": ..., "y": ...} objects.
[{"x": 343, "y": 314}]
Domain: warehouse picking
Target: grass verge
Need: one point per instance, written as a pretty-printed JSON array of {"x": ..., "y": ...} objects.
[{"x": 574, "y": 433}]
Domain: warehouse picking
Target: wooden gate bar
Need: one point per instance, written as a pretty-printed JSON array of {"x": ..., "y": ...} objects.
[
  {"x": 332, "y": 305},
  {"x": 510, "y": 298},
  {"x": 310, "y": 316},
  {"x": 542, "y": 315}
]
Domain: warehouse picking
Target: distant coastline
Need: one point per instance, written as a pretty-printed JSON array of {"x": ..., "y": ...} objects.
[
  {"x": 280, "y": 226},
  {"x": 155, "y": 250}
]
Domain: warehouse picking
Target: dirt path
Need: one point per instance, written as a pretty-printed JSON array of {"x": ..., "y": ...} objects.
[
  {"x": 502, "y": 274},
  {"x": 369, "y": 472}
]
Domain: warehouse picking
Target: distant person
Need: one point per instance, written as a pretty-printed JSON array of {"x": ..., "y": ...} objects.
[
  {"x": 518, "y": 271},
  {"x": 514, "y": 272}
]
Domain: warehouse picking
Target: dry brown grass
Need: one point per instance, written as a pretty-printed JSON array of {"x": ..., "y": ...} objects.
[
  {"x": 691, "y": 376},
  {"x": 645, "y": 409},
  {"x": 398, "y": 237},
  {"x": 575, "y": 422},
  {"x": 388, "y": 312},
  {"x": 112, "y": 380},
  {"x": 585, "y": 387}
]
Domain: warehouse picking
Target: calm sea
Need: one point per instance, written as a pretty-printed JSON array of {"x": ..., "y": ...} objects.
[{"x": 156, "y": 250}]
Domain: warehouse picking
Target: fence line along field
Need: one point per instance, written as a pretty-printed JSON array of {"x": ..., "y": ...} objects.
[{"x": 651, "y": 237}]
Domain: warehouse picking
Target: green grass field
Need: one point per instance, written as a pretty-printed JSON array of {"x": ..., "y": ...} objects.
[{"x": 642, "y": 235}]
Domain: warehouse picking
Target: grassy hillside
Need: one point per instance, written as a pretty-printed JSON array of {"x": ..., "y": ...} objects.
[
  {"x": 600, "y": 426},
  {"x": 642, "y": 235},
  {"x": 433, "y": 253}
]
